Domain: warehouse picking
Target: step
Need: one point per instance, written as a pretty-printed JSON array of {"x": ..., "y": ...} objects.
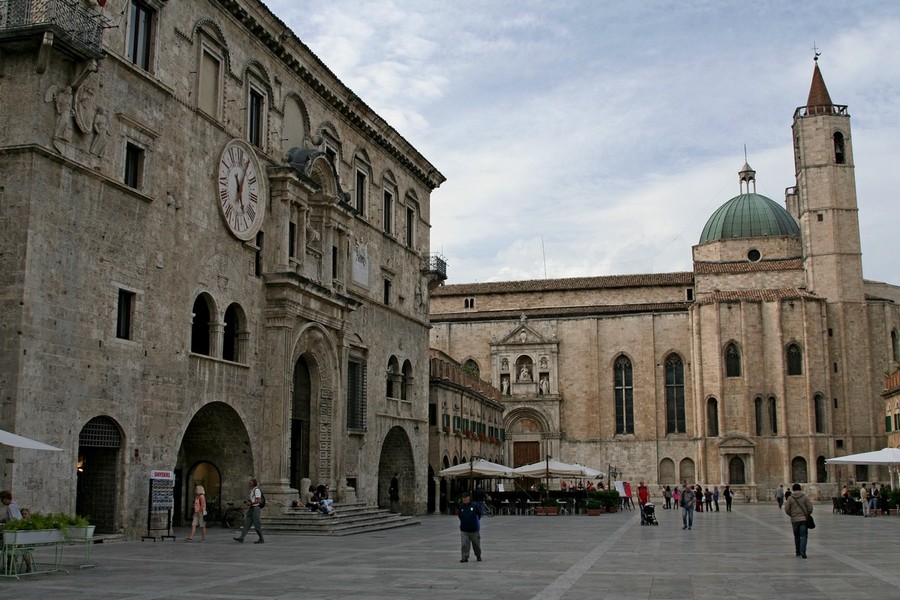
[{"x": 348, "y": 519}]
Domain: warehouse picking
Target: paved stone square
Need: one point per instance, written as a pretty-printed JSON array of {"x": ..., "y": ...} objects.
[{"x": 747, "y": 554}]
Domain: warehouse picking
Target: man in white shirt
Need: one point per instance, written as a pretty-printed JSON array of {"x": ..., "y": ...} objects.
[{"x": 251, "y": 518}]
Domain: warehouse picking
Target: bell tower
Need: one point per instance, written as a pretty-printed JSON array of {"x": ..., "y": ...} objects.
[
  {"x": 826, "y": 188},
  {"x": 826, "y": 205}
]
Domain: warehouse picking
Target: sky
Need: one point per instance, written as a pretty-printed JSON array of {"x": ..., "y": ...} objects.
[{"x": 584, "y": 138}]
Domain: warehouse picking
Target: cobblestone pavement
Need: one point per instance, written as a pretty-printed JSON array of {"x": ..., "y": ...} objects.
[{"x": 746, "y": 554}]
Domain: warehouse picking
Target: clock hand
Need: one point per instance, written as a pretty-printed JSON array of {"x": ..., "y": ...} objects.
[{"x": 239, "y": 183}]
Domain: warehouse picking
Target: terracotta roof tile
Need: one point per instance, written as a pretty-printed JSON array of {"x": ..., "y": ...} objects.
[
  {"x": 758, "y": 296},
  {"x": 573, "y": 283},
  {"x": 561, "y": 312},
  {"x": 713, "y": 268}
]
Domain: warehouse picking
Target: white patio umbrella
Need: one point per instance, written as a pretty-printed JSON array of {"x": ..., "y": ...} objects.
[
  {"x": 888, "y": 457},
  {"x": 477, "y": 468},
  {"x": 18, "y": 441},
  {"x": 550, "y": 467},
  {"x": 590, "y": 473}
]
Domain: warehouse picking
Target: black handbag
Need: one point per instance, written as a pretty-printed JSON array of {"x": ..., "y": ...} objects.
[{"x": 810, "y": 523}]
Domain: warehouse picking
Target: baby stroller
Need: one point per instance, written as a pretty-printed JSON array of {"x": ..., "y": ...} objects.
[{"x": 648, "y": 517}]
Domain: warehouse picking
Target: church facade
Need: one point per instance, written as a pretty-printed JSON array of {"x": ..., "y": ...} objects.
[
  {"x": 215, "y": 263},
  {"x": 749, "y": 371}
]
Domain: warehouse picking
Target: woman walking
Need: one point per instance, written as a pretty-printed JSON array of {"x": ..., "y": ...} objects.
[{"x": 199, "y": 514}]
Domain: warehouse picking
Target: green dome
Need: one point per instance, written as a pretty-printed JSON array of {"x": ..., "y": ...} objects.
[{"x": 749, "y": 216}]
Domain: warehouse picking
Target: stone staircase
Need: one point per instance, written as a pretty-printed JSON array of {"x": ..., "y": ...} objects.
[{"x": 347, "y": 520}]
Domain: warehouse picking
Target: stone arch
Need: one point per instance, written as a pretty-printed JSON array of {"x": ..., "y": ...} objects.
[
  {"x": 203, "y": 322},
  {"x": 98, "y": 488},
  {"x": 527, "y": 434},
  {"x": 295, "y": 124},
  {"x": 799, "y": 470},
  {"x": 397, "y": 457},
  {"x": 318, "y": 350},
  {"x": 237, "y": 333},
  {"x": 667, "y": 471},
  {"x": 687, "y": 470},
  {"x": 216, "y": 436},
  {"x": 524, "y": 368}
]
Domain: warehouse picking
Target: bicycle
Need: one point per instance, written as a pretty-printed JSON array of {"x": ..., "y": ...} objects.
[{"x": 232, "y": 517}]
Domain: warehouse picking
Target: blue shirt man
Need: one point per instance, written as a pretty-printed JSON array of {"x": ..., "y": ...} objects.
[{"x": 469, "y": 527}]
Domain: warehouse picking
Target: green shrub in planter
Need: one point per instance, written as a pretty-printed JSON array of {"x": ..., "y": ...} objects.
[
  {"x": 550, "y": 502},
  {"x": 894, "y": 498},
  {"x": 38, "y": 521}
]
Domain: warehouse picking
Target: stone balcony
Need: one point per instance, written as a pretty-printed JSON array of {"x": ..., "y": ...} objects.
[{"x": 65, "y": 24}]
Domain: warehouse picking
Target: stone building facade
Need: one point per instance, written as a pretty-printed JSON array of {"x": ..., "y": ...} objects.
[
  {"x": 891, "y": 395},
  {"x": 465, "y": 422},
  {"x": 215, "y": 261},
  {"x": 750, "y": 370}
]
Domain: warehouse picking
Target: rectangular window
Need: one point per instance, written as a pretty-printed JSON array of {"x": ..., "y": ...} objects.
[
  {"x": 124, "y": 315},
  {"x": 356, "y": 394},
  {"x": 432, "y": 415},
  {"x": 361, "y": 183},
  {"x": 387, "y": 292},
  {"x": 134, "y": 165},
  {"x": 140, "y": 34},
  {"x": 208, "y": 94},
  {"x": 887, "y": 424},
  {"x": 257, "y": 263},
  {"x": 292, "y": 240},
  {"x": 334, "y": 262},
  {"x": 410, "y": 227},
  {"x": 689, "y": 294},
  {"x": 388, "y": 211},
  {"x": 255, "y": 113},
  {"x": 457, "y": 422}
]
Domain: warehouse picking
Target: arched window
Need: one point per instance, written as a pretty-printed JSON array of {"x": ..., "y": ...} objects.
[
  {"x": 799, "y": 471},
  {"x": 773, "y": 415},
  {"x": 758, "y": 414},
  {"x": 712, "y": 417},
  {"x": 732, "y": 361},
  {"x": 686, "y": 470},
  {"x": 393, "y": 378},
  {"x": 406, "y": 382},
  {"x": 624, "y": 396},
  {"x": 736, "y": 475},
  {"x": 234, "y": 341},
  {"x": 675, "y": 421},
  {"x": 794, "y": 358},
  {"x": 667, "y": 471},
  {"x": 200, "y": 326},
  {"x": 819, "y": 407},
  {"x": 471, "y": 367},
  {"x": 839, "y": 153},
  {"x": 821, "y": 473}
]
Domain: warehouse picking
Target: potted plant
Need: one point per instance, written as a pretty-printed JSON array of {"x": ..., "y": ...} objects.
[
  {"x": 610, "y": 500},
  {"x": 893, "y": 501},
  {"x": 49, "y": 528},
  {"x": 549, "y": 506},
  {"x": 594, "y": 505}
]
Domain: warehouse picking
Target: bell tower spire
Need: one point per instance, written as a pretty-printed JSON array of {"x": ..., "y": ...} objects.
[{"x": 826, "y": 186}]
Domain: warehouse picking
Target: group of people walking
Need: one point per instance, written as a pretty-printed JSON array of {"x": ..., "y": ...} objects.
[{"x": 674, "y": 498}]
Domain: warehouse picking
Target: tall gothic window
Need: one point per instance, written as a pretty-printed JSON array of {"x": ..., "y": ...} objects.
[
  {"x": 773, "y": 415},
  {"x": 819, "y": 405},
  {"x": 732, "y": 361},
  {"x": 712, "y": 417},
  {"x": 794, "y": 358},
  {"x": 758, "y": 414},
  {"x": 895, "y": 345},
  {"x": 624, "y": 396},
  {"x": 675, "y": 421}
]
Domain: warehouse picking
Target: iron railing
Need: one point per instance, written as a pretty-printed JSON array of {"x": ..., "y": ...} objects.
[
  {"x": 68, "y": 17},
  {"x": 436, "y": 263}
]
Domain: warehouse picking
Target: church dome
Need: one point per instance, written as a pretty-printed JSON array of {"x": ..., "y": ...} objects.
[{"x": 749, "y": 215}]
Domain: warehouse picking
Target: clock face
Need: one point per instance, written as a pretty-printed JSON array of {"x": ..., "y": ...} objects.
[{"x": 240, "y": 190}]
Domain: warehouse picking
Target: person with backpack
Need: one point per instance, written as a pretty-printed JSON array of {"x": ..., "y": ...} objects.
[{"x": 256, "y": 502}]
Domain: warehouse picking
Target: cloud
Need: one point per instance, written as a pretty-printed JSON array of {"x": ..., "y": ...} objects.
[{"x": 610, "y": 131}]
